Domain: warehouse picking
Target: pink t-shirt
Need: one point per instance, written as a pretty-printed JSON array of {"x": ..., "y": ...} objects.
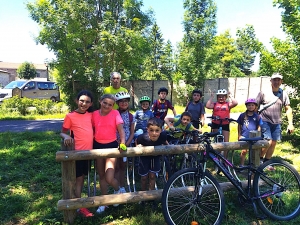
[
  {"x": 81, "y": 129},
  {"x": 106, "y": 126}
]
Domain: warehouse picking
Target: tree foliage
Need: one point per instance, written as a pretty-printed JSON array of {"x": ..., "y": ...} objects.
[
  {"x": 26, "y": 71},
  {"x": 92, "y": 38},
  {"x": 200, "y": 28},
  {"x": 286, "y": 55},
  {"x": 248, "y": 46}
]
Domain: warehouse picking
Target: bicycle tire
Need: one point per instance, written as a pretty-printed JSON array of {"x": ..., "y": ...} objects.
[
  {"x": 283, "y": 205},
  {"x": 179, "y": 204}
]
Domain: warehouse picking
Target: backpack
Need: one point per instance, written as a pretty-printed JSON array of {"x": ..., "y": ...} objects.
[
  {"x": 257, "y": 119},
  {"x": 175, "y": 124}
]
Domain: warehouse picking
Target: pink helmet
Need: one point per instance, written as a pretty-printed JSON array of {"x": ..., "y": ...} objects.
[{"x": 251, "y": 100}]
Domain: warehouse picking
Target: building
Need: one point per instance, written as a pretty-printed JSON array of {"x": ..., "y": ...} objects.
[
  {"x": 4, "y": 78},
  {"x": 10, "y": 69}
]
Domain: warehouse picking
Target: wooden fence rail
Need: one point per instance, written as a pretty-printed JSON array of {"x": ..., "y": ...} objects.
[{"x": 69, "y": 203}]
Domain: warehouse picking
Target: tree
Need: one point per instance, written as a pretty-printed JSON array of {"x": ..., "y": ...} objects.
[
  {"x": 200, "y": 28},
  {"x": 282, "y": 59},
  {"x": 92, "y": 38},
  {"x": 289, "y": 51},
  {"x": 222, "y": 57},
  {"x": 153, "y": 64},
  {"x": 26, "y": 71},
  {"x": 248, "y": 46}
]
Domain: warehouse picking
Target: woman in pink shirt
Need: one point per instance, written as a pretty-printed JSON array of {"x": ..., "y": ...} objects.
[{"x": 107, "y": 122}]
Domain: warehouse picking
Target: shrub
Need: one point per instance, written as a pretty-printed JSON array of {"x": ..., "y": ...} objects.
[{"x": 26, "y": 106}]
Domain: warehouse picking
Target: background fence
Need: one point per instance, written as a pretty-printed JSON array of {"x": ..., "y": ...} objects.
[{"x": 240, "y": 88}]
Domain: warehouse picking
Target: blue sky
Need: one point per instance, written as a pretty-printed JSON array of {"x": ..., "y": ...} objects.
[{"x": 17, "y": 28}]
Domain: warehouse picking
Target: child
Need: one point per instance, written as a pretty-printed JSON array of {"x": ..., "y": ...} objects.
[
  {"x": 248, "y": 121},
  {"x": 122, "y": 99},
  {"x": 221, "y": 108},
  {"x": 142, "y": 116},
  {"x": 150, "y": 165},
  {"x": 79, "y": 124},
  {"x": 196, "y": 108},
  {"x": 160, "y": 107},
  {"x": 183, "y": 123},
  {"x": 107, "y": 122}
]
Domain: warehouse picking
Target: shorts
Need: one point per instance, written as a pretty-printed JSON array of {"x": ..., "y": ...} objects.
[
  {"x": 98, "y": 145},
  {"x": 82, "y": 167},
  {"x": 216, "y": 126},
  {"x": 271, "y": 131},
  {"x": 196, "y": 124},
  {"x": 149, "y": 164}
]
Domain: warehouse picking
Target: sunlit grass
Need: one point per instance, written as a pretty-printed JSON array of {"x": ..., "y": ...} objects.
[{"x": 30, "y": 185}]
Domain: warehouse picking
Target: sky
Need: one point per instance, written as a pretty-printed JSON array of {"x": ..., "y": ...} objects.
[{"x": 18, "y": 29}]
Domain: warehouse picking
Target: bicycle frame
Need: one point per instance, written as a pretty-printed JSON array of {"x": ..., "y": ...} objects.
[{"x": 226, "y": 166}]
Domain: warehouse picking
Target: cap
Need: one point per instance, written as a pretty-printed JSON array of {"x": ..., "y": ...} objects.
[{"x": 276, "y": 75}]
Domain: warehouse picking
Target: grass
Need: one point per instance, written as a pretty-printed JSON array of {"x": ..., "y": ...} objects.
[{"x": 30, "y": 180}]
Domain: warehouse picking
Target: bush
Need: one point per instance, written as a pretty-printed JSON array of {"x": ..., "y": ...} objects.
[{"x": 27, "y": 106}]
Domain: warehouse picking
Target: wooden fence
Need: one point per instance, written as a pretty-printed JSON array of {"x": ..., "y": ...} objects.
[{"x": 69, "y": 203}]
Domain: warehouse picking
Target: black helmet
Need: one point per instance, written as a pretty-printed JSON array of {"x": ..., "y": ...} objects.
[
  {"x": 162, "y": 89},
  {"x": 197, "y": 91}
]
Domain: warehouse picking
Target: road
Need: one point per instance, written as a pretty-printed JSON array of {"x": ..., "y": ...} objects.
[
  {"x": 30, "y": 125},
  {"x": 46, "y": 125}
]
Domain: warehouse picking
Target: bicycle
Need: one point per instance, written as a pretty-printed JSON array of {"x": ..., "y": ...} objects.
[
  {"x": 177, "y": 162},
  {"x": 220, "y": 137},
  {"x": 193, "y": 194}
]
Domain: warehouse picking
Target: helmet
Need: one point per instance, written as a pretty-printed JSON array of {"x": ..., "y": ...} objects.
[
  {"x": 145, "y": 98},
  {"x": 221, "y": 92},
  {"x": 197, "y": 91},
  {"x": 251, "y": 100},
  {"x": 162, "y": 89},
  {"x": 122, "y": 95}
]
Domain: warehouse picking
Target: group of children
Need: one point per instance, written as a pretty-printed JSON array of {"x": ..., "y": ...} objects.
[{"x": 110, "y": 128}]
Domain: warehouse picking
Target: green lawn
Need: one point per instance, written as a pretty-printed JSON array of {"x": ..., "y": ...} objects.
[{"x": 30, "y": 180}]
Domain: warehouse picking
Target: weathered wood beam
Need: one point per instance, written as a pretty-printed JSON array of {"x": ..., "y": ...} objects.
[
  {"x": 71, "y": 204},
  {"x": 152, "y": 150}
]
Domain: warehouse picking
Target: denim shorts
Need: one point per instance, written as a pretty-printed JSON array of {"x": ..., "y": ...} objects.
[{"x": 271, "y": 131}]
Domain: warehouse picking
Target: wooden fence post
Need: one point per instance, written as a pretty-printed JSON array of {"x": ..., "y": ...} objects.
[
  {"x": 255, "y": 154},
  {"x": 68, "y": 171}
]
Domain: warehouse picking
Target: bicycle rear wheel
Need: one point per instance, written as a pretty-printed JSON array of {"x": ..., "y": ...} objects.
[
  {"x": 182, "y": 203},
  {"x": 282, "y": 181}
]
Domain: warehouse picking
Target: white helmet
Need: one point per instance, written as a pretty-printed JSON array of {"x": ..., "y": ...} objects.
[
  {"x": 122, "y": 95},
  {"x": 221, "y": 92}
]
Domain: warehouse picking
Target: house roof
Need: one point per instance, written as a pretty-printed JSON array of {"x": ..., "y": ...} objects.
[{"x": 9, "y": 65}]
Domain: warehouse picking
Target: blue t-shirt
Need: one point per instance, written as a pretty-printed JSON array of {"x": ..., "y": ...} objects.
[
  {"x": 142, "y": 118},
  {"x": 248, "y": 124}
]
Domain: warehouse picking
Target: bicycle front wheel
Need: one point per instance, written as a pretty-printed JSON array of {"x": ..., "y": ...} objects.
[
  {"x": 278, "y": 189},
  {"x": 185, "y": 200}
]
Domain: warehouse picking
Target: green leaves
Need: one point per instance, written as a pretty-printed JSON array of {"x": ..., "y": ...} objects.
[{"x": 26, "y": 71}]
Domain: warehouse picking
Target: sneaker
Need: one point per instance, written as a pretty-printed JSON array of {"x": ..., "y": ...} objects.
[
  {"x": 101, "y": 209},
  {"x": 122, "y": 190},
  {"x": 117, "y": 192},
  {"x": 270, "y": 168},
  {"x": 85, "y": 212}
]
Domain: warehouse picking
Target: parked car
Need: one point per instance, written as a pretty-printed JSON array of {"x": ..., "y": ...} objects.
[{"x": 31, "y": 89}]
